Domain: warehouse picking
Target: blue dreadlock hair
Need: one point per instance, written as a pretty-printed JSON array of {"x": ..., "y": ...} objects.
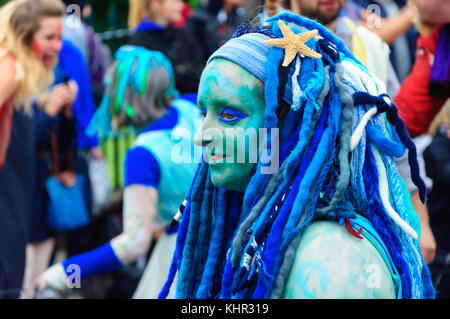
[{"x": 336, "y": 145}]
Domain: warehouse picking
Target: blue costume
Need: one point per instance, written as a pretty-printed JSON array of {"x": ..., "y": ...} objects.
[{"x": 149, "y": 163}]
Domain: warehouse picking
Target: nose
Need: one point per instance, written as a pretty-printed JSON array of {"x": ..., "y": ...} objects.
[
  {"x": 206, "y": 134},
  {"x": 200, "y": 138}
]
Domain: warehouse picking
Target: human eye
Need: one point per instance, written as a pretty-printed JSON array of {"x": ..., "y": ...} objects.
[
  {"x": 230, "y": 116},
  {"x": 203, "y": 113}
]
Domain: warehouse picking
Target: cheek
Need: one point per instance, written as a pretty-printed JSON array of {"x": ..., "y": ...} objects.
[
  {"x": 176, "y": 10},
  {"x": 245, "y": 145},
  {"x": 59, "y": 27},
  {"x": 36, "y": 47}
]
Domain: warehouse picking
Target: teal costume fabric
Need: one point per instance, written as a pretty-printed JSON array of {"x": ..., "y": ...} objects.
[{"x": 175, "y": 179}]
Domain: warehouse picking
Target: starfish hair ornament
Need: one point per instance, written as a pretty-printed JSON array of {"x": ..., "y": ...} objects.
[{"x": 294, "y": 43}]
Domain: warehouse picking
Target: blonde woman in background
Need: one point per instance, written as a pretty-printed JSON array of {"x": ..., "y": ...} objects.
[{"x": 30, "y": 39}]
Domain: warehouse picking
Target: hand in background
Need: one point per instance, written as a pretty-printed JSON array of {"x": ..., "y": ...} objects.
[
  {"x": 97, "y": 153},
  {"x": 60, "y": 99},
  {"x": 54, "y": 277},
  {"x": 427, "y": 245}
]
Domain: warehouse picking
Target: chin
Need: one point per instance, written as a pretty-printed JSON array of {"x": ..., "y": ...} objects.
[
  {"x": 219, "y": 181},
  {"x": 49, "y": 64}
]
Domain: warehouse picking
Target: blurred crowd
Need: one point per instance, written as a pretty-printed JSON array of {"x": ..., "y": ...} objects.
[{"x": 75, "y": 115}]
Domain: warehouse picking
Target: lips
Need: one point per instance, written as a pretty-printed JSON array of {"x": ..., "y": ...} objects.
[
  {"x": 213, "y": 159},
  {"x": 48, "y": 60},
  {"x": 217, "y": 157},
  {"x": 329, "y": 5}
]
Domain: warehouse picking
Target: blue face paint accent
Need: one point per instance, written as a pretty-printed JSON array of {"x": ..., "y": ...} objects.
[
  {"x": 309, "y": 269},
  {"x": 231, "y": 116}
]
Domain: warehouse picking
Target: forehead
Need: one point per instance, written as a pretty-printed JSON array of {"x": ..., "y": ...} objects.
[
  {"x": 223, "y": 80},
  {"x": 51, "y": 24}
]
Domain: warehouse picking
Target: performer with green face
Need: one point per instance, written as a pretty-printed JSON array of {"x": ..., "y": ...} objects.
[
  {"x": 230, "y": 108},
  {"x": 322, "y": 211}
]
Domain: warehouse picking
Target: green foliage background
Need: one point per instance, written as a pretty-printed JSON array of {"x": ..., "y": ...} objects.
[
  {"x": 110, "y": 15},
  {"x": 106, "y": 14}
]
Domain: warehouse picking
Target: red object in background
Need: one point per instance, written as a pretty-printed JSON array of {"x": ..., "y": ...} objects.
[
  {"x": 186, "y": 13},
  {"x": 416, "y": 107}
]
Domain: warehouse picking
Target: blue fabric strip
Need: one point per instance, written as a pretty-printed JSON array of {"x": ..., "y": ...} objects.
[
  {"x": 98, "y": 261},
  {"x": 191, "y": 97},
  {"x": 141, "y": 168},
  {"x": 167, "y": 122}
]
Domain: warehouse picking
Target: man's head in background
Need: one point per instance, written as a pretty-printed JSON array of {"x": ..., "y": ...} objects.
[
  {"x": 324, "y": 11},
  {"x": 433, "y": 11}
]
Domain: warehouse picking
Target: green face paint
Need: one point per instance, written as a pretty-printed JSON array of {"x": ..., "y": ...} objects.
[{"x": 232, "y": 103}]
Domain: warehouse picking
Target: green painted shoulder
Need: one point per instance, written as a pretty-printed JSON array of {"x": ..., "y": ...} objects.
[{"x": 331, "y": 263}]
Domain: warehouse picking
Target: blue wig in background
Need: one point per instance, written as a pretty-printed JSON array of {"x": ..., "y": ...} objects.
[{"x": 139, "y": 82}]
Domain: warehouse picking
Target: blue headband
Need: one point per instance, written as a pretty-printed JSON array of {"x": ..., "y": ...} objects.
[{"x": 250, "y": 51}]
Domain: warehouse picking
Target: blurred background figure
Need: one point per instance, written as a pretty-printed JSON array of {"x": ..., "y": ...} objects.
[
  {"x": 422, "y": 95},
  {"x": 392, "y": 21},
  {"x": 152, "y": 23},
  {"x": 215, "y": 23},
  {"x": 155, "y": 25},
  {"x": 96, "y": 54},
  {"x": 364, "y": 44},
  {"x": 30, "y": 40},
  {"x": 73, "y": 101},
  {"x": 437, "y": 163}
]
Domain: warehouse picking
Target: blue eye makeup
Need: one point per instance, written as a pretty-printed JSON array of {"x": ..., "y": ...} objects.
[
  {"x": 227, "y": 115},
  {"x": 230, "y": 116}
]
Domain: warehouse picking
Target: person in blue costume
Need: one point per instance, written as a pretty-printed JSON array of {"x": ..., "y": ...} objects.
[
  {"x": 65, "y": 110},
  {"x": 321, "y": 212},
  {"x": 73, "y": 65},
  {"x": 152, "y": 23},
  {"x": 140, "y": 93}
]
